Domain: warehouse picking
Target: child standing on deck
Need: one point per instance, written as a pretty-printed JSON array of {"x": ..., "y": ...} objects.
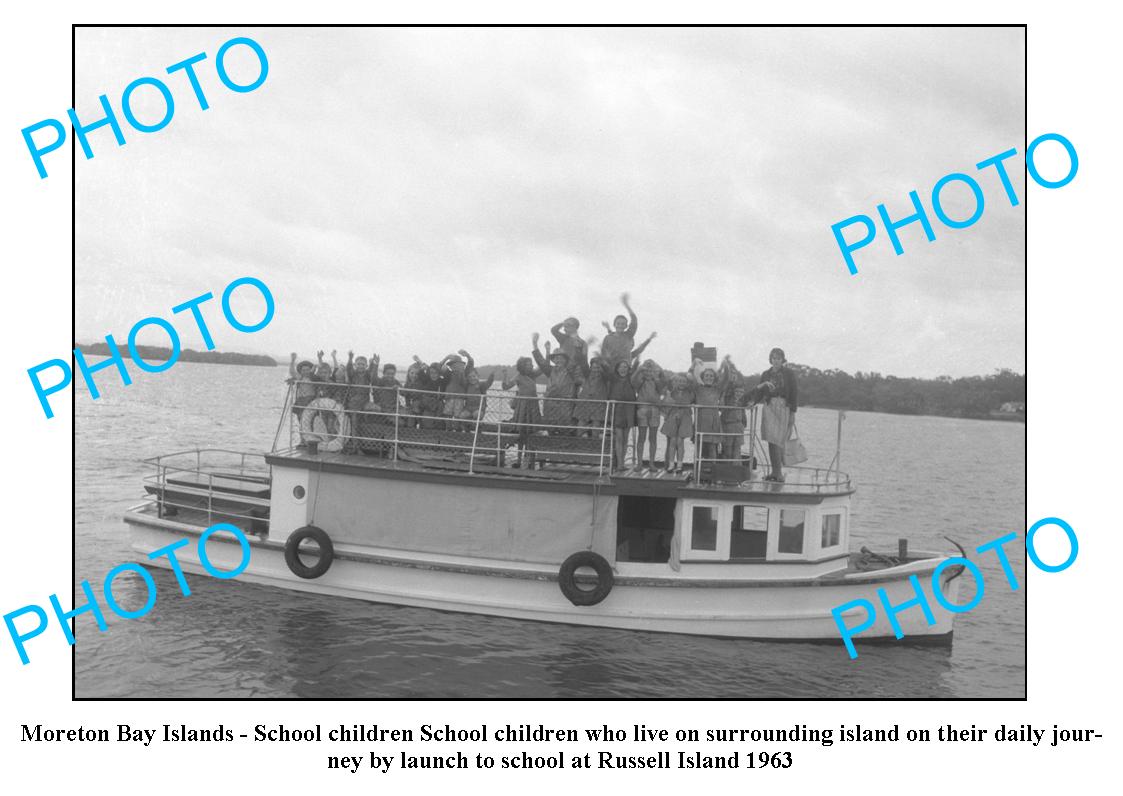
[
  {"x": 590, "y": 411},
  {"x": 733, "y": 418},
  {"x": 621, "y": 338},
  {"x": 454, "y": 383},
  {"x": 304, "y": 391},
  {"x": 385, "y": 392},
  {"x": 527, "y": 415},
  {"x": 620, "y": 389},
  {"x": 429, "y": 400},
  {"x": 356, "y": 394},
  {"x": 325, "y": 385},
  {"x": 648, "y": 381},
  {"x": 476, "y": 404},
  {"x": 572, "y": 345},
  {"x": 560, "y": 389},
  {"x": 707, "y": 397},
  {"x": 679, "y": 423},
  {"x": 411, "y": 396}
]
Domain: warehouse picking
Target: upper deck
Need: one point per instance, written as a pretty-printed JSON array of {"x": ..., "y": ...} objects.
[{"x": 459, "y": 438}]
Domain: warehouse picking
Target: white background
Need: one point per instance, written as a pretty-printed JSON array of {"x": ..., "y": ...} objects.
[{"x": 1073, "y": 621}]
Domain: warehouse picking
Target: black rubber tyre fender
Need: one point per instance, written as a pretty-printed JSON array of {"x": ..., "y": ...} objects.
[
  {"x": 322, "y": 540},
  {"x": 567, "y": 579}
]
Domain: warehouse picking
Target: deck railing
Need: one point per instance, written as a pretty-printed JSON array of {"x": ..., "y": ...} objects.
[
  {"x": 499, "y": 429},
  {"x": 222, "y": 485}
]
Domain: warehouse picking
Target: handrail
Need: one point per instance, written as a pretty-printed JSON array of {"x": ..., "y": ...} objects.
[{"x": 435, "y": 431}]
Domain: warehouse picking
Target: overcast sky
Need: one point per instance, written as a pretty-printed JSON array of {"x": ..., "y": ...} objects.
[{"x": 425, "y": 190}]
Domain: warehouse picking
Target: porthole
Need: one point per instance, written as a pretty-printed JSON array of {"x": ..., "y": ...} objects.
[{"x": 299, "y": 492}]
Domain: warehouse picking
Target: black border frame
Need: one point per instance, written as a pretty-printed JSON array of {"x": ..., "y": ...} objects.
[{"x": 1025, "y": 202}]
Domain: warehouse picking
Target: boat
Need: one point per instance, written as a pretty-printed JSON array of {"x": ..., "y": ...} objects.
[{"x": 481, "y": 515}]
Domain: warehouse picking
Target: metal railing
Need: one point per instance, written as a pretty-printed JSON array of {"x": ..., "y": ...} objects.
[
  {"x": 224, "y": 485},
  {"x": 500, "y": 429}
]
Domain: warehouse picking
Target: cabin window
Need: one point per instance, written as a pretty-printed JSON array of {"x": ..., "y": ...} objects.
[
  {"x": 703, "y": 528},
  {"x": 832, "y": 525},
  {"x": 749, "y": 532},
  {"x": 791, "y": 530}
]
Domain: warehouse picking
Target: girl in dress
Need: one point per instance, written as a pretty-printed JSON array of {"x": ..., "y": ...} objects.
[
  {"x": 777, "y": 391},
  {"x": 527, "y": 415},
  {"x": 590, "y": 411},
  {"x": 708, "y": 391},
  {"x": 620, "y": 389},
  {"x": 678, "y": 425}
]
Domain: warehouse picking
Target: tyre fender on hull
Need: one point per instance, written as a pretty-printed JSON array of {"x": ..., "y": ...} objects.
[
  {"x": 567, "y": 578},
  {"x": 322, "y": 540}
]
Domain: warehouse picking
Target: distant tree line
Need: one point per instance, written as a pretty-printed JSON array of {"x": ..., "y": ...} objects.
[
  {"x": 971, "y": 396},
  {"x": 153, "y": 353}
]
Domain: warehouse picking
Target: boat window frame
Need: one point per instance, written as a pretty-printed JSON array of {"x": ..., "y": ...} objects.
[
  {"x": 839, "y": 512},
  {"x": 721, "y": 545},
  {"x": 774, "y": 553}
]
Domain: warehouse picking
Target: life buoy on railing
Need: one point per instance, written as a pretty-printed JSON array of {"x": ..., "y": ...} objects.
[
  {"x": 292, "y": 548},
  {"x": 567, "y": 578},
  {"x": 324, "y": 421}
]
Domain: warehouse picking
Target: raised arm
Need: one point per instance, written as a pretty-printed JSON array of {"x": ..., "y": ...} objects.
[
  {"x": 540, "y": 360},
  {"x": 633, "y": 322},
  {"x": 556, "y": 331},
  {"x": 470, "y": 363},
  {"x": 691, "y": 377},
  {"x": 723, "y": 374},
  {"x": 643, "y": 345},
  {"x": 507, "y": 383},
  {"x": 292, "y": 366}
]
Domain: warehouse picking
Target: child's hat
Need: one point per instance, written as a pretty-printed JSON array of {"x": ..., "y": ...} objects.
[
  {"x": 455, "y": 359},
  {"x": 304, "y": 362},
  {"x": 559, "y": 354}
]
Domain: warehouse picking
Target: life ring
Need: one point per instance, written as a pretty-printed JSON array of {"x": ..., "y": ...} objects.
[
  {"x": 315, "y": 427},
  {"x": 567, "y": 578},
  {"x": 322, "y": 540}
]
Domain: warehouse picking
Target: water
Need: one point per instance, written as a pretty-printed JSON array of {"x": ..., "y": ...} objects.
[{"x": 917, "y": 477}]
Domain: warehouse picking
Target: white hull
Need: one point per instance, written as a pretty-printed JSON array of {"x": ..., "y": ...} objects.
[{"x": 645, "y": 597}]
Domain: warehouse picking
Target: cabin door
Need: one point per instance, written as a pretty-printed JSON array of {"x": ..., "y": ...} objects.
[{"x": 644, "y": 527}]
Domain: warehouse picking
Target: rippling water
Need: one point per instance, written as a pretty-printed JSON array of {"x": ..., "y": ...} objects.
[{"x": 917, "y": 477}]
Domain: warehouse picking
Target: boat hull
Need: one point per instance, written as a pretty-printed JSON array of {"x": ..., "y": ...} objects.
[{"x": 653, "y": 598}]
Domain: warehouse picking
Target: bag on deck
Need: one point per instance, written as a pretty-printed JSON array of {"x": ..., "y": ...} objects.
[{"x": 794, "y": 452}]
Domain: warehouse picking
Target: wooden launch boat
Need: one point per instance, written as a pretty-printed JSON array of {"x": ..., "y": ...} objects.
[{"x": 485, "y": 517}]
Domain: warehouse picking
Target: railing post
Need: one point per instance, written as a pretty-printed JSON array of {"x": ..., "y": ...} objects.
[
  {"x": 476, "y": 436},
  {"x": 609, "y": 414},
  {"x": 210, "y": 498},
  {"x": 397, "y": 418},
  {"x": 697, "y": 445}
]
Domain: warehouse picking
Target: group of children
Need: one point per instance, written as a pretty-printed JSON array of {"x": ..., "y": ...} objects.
[
  {"x": 445, "y": 393},
  {"x": 705, "y": 400}
]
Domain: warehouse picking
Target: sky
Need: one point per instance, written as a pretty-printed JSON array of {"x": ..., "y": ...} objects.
[{"x": 418, "y": 191}]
